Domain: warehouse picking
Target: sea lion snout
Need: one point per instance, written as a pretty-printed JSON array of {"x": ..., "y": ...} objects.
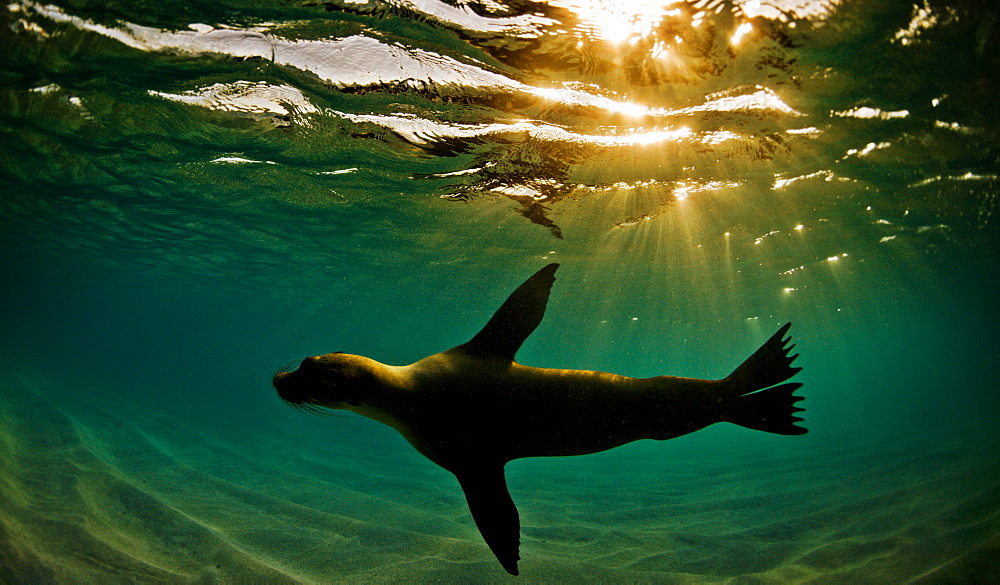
[
  {"x": 325, "y": 380},
  {"x": 288, "y": 387}
]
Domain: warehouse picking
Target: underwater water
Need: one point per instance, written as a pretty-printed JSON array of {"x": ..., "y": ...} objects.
[{"x": 195, "y": 194}]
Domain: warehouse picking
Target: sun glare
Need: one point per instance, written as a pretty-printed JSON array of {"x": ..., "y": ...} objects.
[
  {"x": 618, "y": 21},
  {"x": 741, "y": 31}
]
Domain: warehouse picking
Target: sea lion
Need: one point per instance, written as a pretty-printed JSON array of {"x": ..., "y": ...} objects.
[{"x": 472, "y": 409}]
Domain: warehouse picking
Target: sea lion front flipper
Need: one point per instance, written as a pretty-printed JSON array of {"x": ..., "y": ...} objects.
[
  {"x": 516, "y": 318},
  {"x": 494, "y": 512}
]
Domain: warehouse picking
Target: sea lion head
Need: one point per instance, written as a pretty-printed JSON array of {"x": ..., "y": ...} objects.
[{"x": 335, "y": 380}]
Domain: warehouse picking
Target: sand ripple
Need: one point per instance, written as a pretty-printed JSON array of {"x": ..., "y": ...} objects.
[{"x": 93, "y": 493}]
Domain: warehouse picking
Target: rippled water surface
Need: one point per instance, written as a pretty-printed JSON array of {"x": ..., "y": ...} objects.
[{"x": 194, "y": 194}]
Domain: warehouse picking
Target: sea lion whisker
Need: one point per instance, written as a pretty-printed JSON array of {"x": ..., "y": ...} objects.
[
  {"x": 285, "y": 369},
  {"x": 309, "y": 408}
]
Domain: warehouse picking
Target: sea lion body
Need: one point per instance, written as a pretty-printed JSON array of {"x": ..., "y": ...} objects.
[
  {"x": 552, "y": 412},
  {"x": 473, "y": 408}
]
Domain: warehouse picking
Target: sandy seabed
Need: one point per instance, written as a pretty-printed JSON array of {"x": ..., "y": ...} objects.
[{"x": 103, "y": 491}]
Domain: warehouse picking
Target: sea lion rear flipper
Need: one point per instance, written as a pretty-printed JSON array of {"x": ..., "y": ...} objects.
[
  {"x": 494, "y": 512},
  {"x": 516, "y": 318},
  {"x": 769, "y": 365}
]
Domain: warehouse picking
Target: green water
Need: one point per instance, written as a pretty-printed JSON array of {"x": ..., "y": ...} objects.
[{"x": 195, "y": 194}]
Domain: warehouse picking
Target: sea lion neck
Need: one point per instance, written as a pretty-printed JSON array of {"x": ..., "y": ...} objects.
[{"x": 381, "y": 391}]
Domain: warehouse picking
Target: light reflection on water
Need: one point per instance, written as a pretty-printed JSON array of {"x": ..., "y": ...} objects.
[{"x": 590, "y": 117}]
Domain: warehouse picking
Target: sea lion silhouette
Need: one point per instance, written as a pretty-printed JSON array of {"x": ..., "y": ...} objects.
[{"x": 472, "y": 409}]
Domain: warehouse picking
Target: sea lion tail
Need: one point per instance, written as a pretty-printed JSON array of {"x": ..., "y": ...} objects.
[
  {"x": 769, "y": 365},
  {"x": 772, "y": 410}
]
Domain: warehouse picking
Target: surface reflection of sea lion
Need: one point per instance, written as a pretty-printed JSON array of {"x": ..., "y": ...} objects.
[{"x": 472, "y": 409}]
